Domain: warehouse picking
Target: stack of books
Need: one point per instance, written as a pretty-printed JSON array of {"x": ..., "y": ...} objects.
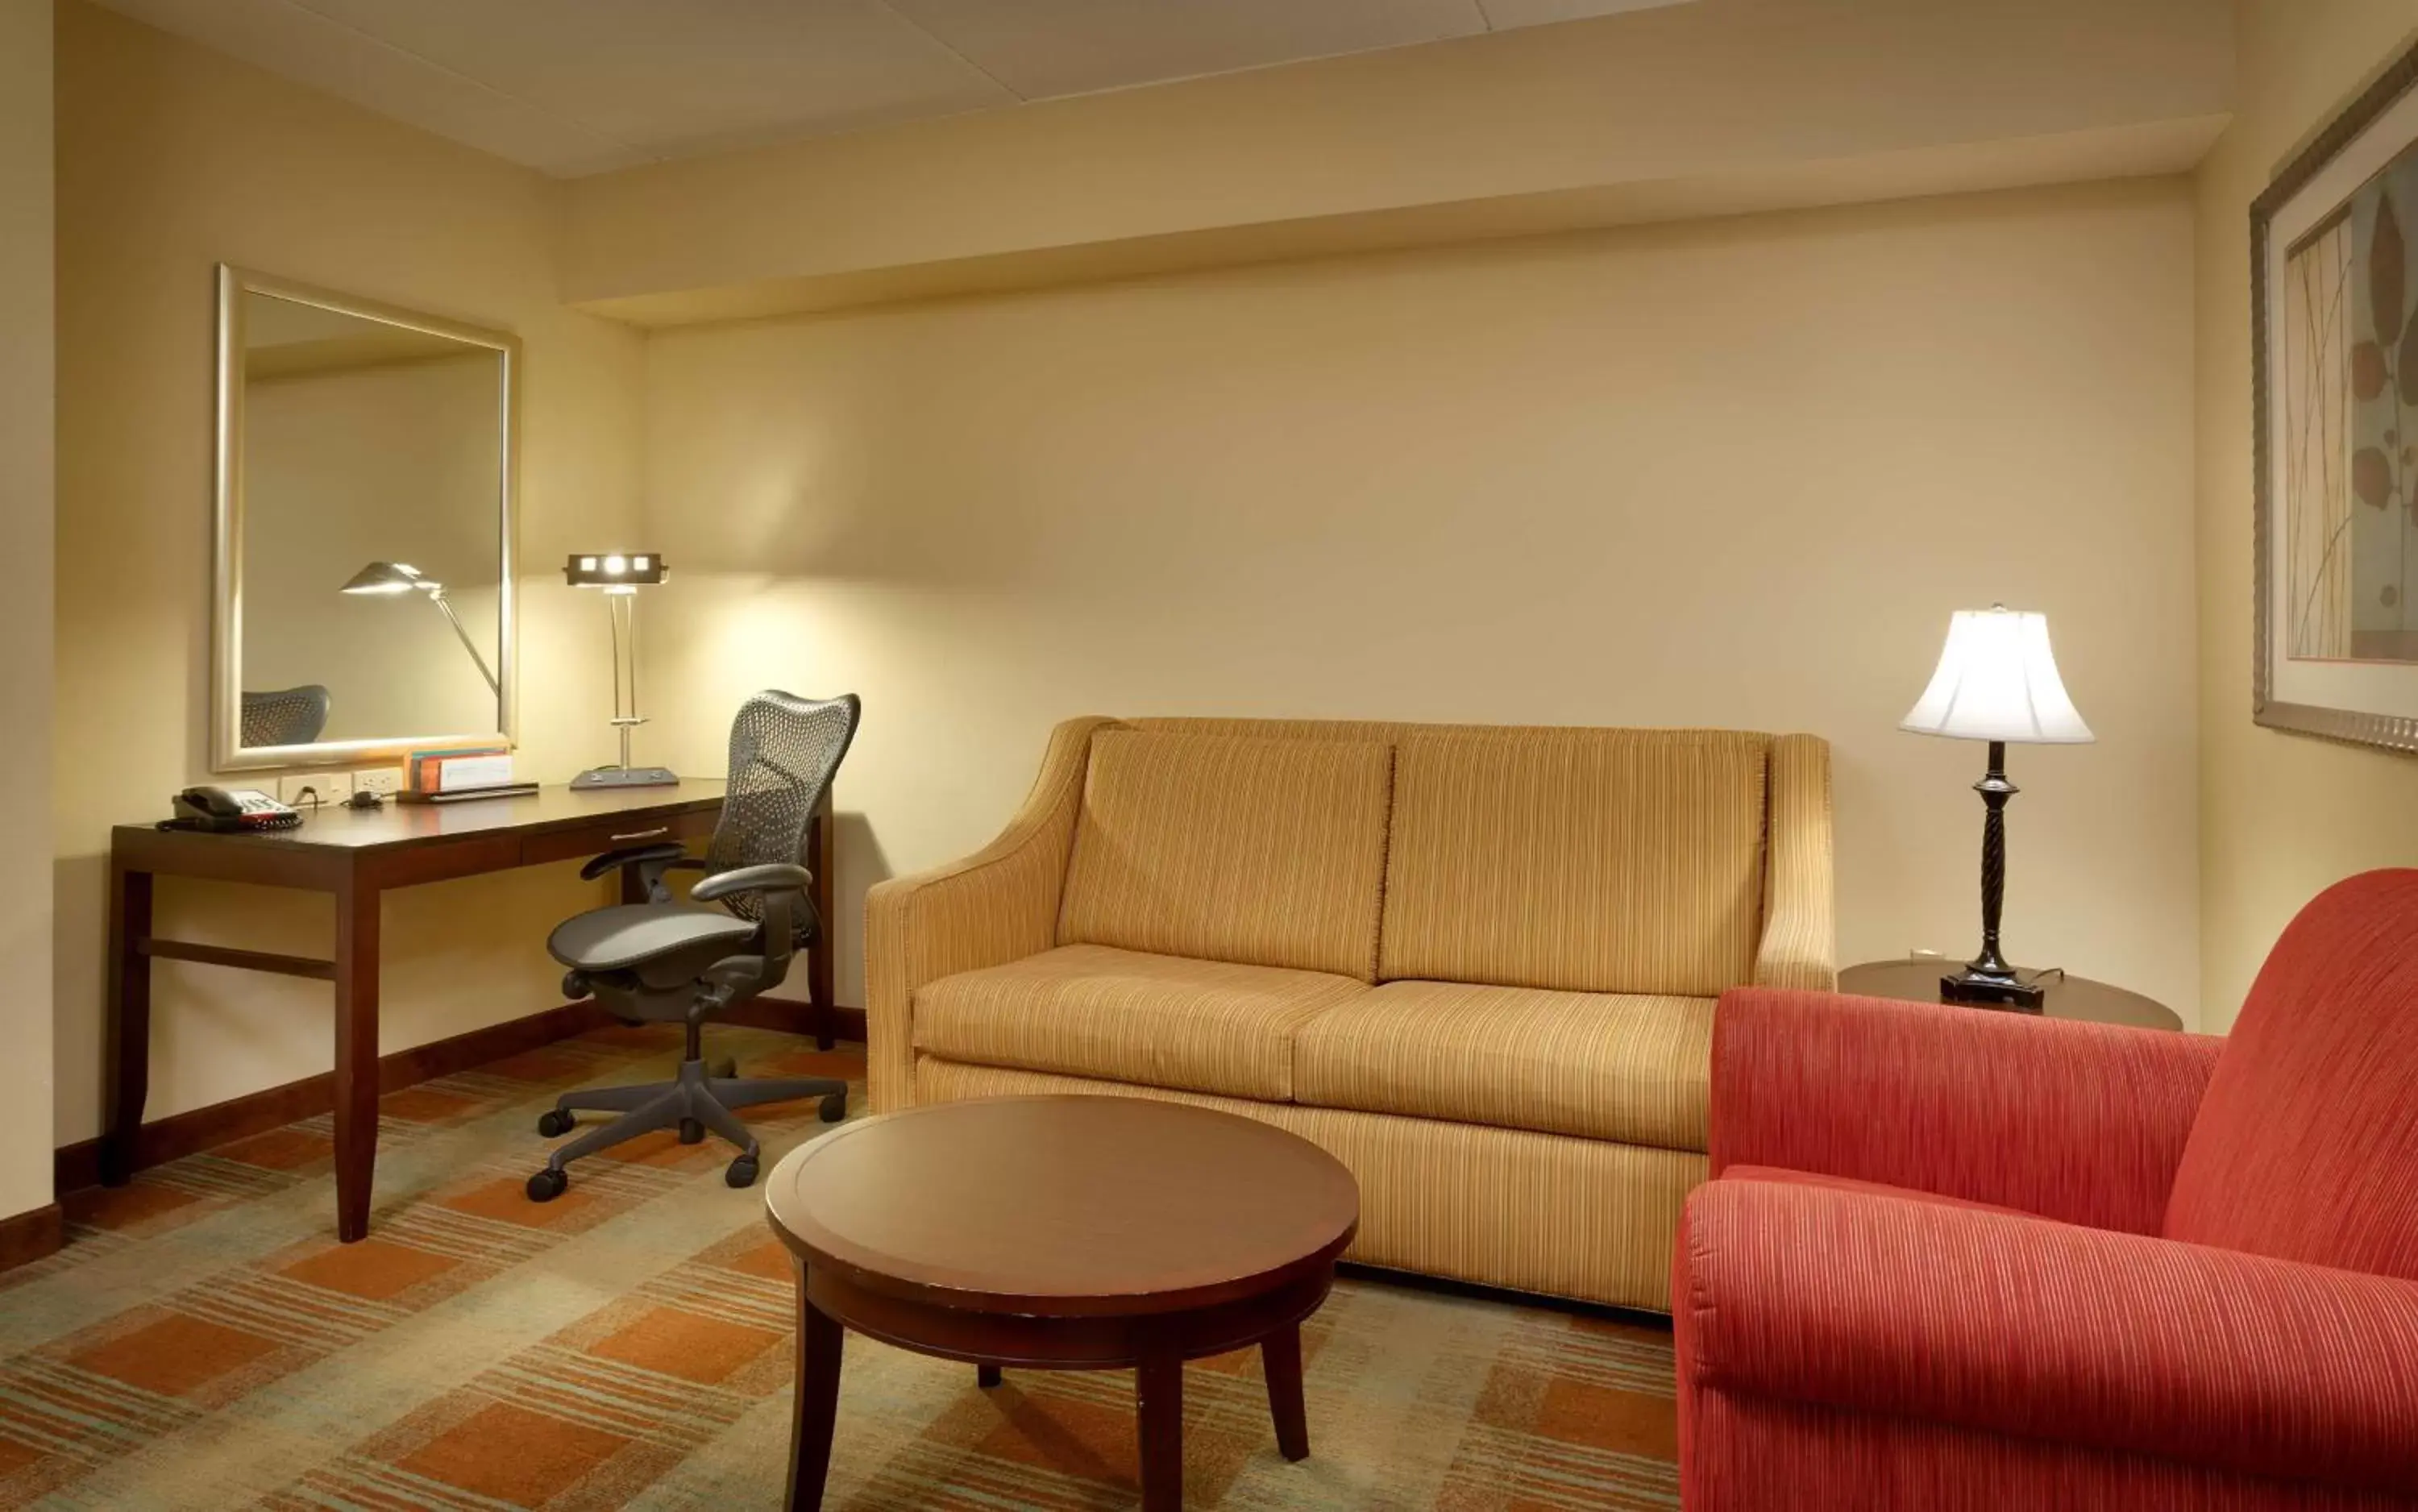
[{"x": 457, "y": 775}]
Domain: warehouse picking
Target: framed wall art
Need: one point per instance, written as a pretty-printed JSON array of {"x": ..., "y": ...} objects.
[{"x": 2333, "y": 267}]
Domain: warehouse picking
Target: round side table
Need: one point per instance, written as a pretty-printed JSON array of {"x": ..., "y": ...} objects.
[{"x": 1916, "y": 979}]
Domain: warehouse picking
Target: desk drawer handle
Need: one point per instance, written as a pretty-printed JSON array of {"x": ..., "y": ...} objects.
[{"x": 644, "y": 834}]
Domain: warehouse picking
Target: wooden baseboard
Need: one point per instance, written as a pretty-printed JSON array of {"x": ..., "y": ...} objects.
[
  {"x": 29, "y": 1236},
  {"x": 791, "y": 1016},
  {"x": 78, "y": 1166}
]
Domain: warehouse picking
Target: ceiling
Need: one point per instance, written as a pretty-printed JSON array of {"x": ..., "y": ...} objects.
[{"x": 572, "y": 88}]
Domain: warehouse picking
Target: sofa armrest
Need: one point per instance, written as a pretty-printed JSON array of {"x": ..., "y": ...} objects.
[
  {"x": 2049, "y": 1332},
  {"x": 1800, "y": 938},
  {"x": 996, "y": 906},
  {"x": 2082, "y": 1122}
]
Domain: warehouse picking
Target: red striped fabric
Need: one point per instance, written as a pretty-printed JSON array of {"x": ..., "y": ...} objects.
[
  {"x": 2083, "y": 1123},
  {"x": 2307, "y": 1143},
  {"x": 2039, "y": 1330},
  {"x": 1845, "y": 1183},
  {"x": 1761, "y": 1455}
]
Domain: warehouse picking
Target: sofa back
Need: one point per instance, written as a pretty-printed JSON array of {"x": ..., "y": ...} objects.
[
  {"x": 1577, "y": 859},
  {"x": 2308, "y": 1136},
  {"x": 1228, "y": 848},
  {"x": 1583, "y": 859}
]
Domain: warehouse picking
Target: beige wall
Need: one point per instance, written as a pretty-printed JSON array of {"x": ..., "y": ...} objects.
[
  {"x": 172, "y": 159},
  {"x": 25, "y": 526},
  {"x": 2282, "y": 816},
  {"x": 1729, "y": 473}
]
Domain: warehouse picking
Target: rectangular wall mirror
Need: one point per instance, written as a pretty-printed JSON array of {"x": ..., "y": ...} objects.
[{"x": 365, "y": 508}]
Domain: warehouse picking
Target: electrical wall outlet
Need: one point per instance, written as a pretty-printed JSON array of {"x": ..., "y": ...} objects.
[
  {"x": 297, "y": 788},
  {"x": 384, "y": 781}
]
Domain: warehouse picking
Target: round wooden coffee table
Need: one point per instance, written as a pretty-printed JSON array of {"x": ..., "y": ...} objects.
[{"x": 1060, "y": 1233}]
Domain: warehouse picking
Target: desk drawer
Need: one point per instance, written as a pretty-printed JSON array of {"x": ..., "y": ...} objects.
[{"x": 612, "y": 832}]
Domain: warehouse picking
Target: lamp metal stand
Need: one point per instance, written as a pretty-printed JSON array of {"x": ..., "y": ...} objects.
[
  {"x": 436, "y": 597},
  {"x": 621, "y": 610},
  {"x": 1988, "y": 978}
]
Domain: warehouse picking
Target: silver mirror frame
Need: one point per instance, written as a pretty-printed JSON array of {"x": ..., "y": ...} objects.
[{"x": 227, "y": 751}]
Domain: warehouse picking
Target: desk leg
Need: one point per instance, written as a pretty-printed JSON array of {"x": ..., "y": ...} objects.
[
  {"x": 130, "y": 1022},
  {"x": 357, "y": 1055},
  {"x": 818, "y": 960}
]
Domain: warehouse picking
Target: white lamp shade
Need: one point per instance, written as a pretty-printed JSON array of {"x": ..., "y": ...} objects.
[{"x": 1997, "y": 681}]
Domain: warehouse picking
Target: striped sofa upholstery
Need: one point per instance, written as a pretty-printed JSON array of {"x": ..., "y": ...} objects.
[{"x": 1478, "y": 964}]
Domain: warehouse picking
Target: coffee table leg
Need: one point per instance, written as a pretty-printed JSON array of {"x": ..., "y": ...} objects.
[
  {"x": 1281, "y": 1362},
  {"x": 1159, "y": 1401},
  {"x": 818, "y": 1403}
]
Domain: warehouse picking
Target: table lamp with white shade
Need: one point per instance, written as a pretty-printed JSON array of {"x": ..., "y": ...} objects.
[{"x": 1996, "y": 681}]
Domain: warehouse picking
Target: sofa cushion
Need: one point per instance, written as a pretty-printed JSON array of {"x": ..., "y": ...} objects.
[
  {"x": 1628, "y": 1068},
  {"x": 1163, "y": 1020},
  {"x": 1582, "y": 860},
  {"x": 1265, "y": 852}
]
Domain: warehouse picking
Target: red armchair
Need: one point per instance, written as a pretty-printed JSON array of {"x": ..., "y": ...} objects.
[{"x": 1959, "y": 1258}]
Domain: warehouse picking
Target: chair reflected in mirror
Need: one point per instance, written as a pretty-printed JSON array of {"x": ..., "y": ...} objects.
[{"x": 288, "y": 716}]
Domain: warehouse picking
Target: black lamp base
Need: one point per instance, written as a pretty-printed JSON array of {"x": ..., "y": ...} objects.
[{"x": 1992, "y": 990}]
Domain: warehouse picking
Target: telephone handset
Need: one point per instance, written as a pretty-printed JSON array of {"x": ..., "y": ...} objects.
[{"x": 240, "y": 812}]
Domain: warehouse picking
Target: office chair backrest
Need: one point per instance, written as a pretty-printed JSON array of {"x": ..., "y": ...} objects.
[
  {"x": 783, "y": 753},
  {"x": 289, "y": 716}
]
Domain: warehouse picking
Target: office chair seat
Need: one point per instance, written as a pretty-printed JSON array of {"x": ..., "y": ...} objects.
[{"x": 609, "y": 940}]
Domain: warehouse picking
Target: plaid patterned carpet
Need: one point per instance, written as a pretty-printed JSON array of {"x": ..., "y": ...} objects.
[{"x": 204, "y": 1342}]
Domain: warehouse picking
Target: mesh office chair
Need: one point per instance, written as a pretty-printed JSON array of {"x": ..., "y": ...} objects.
[
  {"x": 666, "y": 962},
  {"x": 289, "y": 716}
]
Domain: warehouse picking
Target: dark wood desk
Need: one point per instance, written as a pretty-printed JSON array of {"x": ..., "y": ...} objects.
[{"x": 357, "y": 855}]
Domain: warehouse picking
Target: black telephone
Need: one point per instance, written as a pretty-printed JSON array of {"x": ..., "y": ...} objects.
[{"x": 240, "y": 812}]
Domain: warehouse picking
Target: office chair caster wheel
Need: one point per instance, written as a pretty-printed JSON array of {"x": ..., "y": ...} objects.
[
  {"x": 722, "y": 1070},
  {"x": 692, "y": 1132},
  {"x": 834, "y": 1108},
  {"x": 547, "y": 1184},
  {"x": 742, "y": 1171},
  {"x": 553, "y": 1122}
]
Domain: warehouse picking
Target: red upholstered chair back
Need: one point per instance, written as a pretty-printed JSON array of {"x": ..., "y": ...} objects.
[{"x": 2307, "y": 1144}]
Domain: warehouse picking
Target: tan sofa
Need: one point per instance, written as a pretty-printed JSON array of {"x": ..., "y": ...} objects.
[{"x": 1476, "y": 964}]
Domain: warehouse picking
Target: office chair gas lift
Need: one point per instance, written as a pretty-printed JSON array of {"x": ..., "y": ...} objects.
[{"x": 662, "y": 961}]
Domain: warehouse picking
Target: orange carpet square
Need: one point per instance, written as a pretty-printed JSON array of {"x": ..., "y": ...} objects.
[
  {"x": 676, "y": 1343},
  {"x": 539, "y": 1065},
  {"x": 505, "y": 1199},
  {"x": 122, "y": 1207},
  {"x": 175, "y": 1355},
  {"x": 840, "y": 1065},
  {"x": 422, "y": 1105},
  {"x": 371, "y": 1268},
  {"x": 512, "y": 1455},
  {"x": 286, "y": 1149},
  {"x": 1625, "y": 1421},
  {"x": 769, "y": 1260},
  {"x": 15, "y": 1456},
  {"x": 1091, "y": 1440}
]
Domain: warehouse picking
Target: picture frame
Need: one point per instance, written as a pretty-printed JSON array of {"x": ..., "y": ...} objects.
[{"x": 2333, "y": 274}]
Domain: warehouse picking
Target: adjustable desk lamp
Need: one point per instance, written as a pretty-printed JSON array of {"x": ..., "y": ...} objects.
[{"x": 620, "y": 574}]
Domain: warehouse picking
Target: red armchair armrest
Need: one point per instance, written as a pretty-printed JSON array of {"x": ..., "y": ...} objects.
[
  {"x": 2083, "y": 1123},
  {"x": 2012, "y": 1325}
]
